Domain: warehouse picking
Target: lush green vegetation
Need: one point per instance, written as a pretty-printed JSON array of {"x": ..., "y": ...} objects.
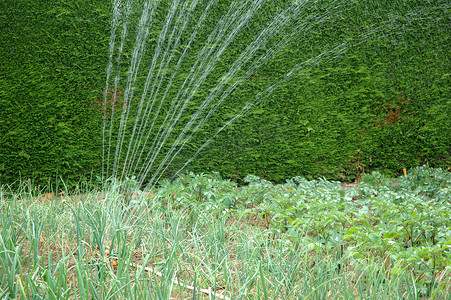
[
  {"x": 53, "y": 59},
  {"x": 381, "y": 104},
  {"x": 385, "y": 238},
  {"x": 369, "y": 96}
]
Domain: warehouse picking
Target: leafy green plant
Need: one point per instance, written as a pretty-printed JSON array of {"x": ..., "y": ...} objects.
[{"x": 181, "y": 239}]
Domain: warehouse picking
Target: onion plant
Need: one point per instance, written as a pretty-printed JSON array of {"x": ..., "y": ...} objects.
[{"x": 202, "y": 237}]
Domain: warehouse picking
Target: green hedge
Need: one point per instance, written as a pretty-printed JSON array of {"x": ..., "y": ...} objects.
[
  {"x": 53, "y": 60},
  {"x": 382, "y": 105}
]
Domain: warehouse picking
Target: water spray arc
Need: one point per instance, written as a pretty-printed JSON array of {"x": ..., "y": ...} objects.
[
  {"x": 142, "y": 151},
  {"x": 177, "y": 76}
]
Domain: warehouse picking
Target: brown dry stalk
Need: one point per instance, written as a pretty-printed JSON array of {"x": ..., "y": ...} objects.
[{"x": 208, "y": 291}]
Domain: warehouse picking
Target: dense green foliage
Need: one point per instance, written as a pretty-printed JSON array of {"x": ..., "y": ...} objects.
[
  {"x": 384, "y": 238},
  {"x": 381, "y": 104},
  {"x": 401, "y": 222},
  {"x": 53, "y": 60}
]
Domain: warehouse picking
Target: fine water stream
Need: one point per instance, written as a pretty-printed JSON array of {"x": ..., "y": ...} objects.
[{"x": 173, "y": 64}]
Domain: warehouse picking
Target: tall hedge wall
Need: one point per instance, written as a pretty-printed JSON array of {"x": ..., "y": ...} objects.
[
  {"x": 53, "y": 60},
  {"x": 382, "y": 104}
]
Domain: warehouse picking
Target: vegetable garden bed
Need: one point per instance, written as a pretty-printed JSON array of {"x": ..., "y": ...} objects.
[{"x": 202, "y": 237}]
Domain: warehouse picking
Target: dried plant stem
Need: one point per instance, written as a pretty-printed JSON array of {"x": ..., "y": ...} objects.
[{"x": 208, "y": 291}]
